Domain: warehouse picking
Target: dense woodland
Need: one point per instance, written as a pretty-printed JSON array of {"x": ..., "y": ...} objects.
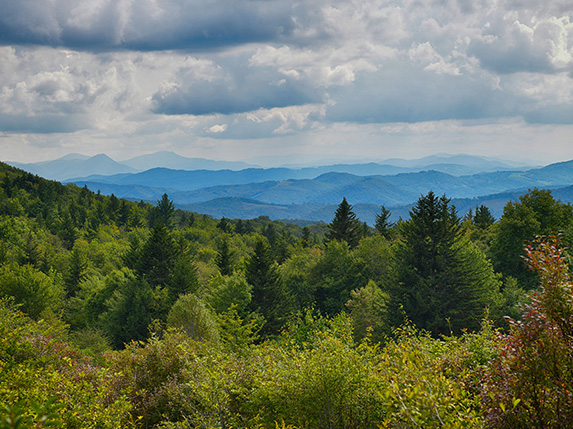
[{"x": 122, "y": 314}]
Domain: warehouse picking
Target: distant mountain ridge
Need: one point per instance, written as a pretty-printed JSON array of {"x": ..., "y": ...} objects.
[
  {"x": 311, "y": 193},
  {"x": 80, "y": 167},
  {"x": 72, "y": 166},
  {"x": 171, "y": 160},
  {"x": 77, "y": 165},
  {"x": 313, "y": 199}
]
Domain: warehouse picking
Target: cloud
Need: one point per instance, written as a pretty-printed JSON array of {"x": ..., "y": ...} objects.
[
  {"x": 218, "y": 71},
  {"x": 45, "y": 124},
  {"x": 217, "y": 128},
  {"x": 403, "y": 92},
  {"x": 543, "y": 47},
  {"x": 235, "y": 87},
  {"x": 149, "y": 24}
]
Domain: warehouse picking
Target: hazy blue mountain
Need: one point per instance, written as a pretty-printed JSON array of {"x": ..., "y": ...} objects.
[
  {"x": 130, "y": 192},
  {"x": 74, "y": 165},
  {"x": 245, "y": 208},
  {"x": 186, "y": 179},
  {"x": 311, "y": 193},
  {"x": 174, "y": 161},
  {"x": 479, "y": 163}
]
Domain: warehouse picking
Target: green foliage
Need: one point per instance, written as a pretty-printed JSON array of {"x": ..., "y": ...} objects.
[
  {"x": 18, "y": 416},
  {"x": 369, "y": 313},
  {"x": 237, "y": 333},
  {"x": 383, "y": 225},
  {"x": 334, "y": 275},
  {"x": 376, "y": 255},
  {"x": 210, "y": 337},
  {"x": 344, "y": 226},
  {"x": 191, "y": 315},
  {"x": 225, "y": 257},
  {"x": 224, "y": 292},
  {"x": 483, "y": 217},
  {"x": 45, "y": 383},
  {"x": 536, "y": 213},
  {"x": 444, "y": 283},
  {"x": 37, "y": 293},
  {"x": 532, "y": 379},
  {"x": 163, "y": 212},
  {"x": 269, "y": 296},
  {"x": 76, "y": 272},
  {"x": 130, "y": 311},
  {"x": 295, "y": 273}
]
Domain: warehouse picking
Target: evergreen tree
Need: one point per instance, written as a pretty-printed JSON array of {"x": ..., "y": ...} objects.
[
  {"x": 183, "y": 278},
  {"x": 483, "y": 217},
  {"x": 130, "y": 314},
  {"x": 305, "y": 236},
  {"x": 225, "y": 256},
  {"x": 443, "y": 281},
  {"x": 344, "y": 226},
  {"x": 269, "y": 296},
  {"x": 76, "y": 273},
  {"x": 383, "y": 223},
  {"x": 68, "y": 232},
  {"x": 224, "y": 225},
  {"x": 158, "y": 255},
  {"x": 164, "y": 212}
]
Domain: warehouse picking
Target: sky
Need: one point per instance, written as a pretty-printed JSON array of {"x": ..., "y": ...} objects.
[{"x": 287, "y": 80}]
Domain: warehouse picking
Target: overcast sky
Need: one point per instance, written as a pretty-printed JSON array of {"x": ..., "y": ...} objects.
[{"x": 237, "y": 79}]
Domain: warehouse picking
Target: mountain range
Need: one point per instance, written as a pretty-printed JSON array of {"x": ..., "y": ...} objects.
[{"x": 311, "y": 193}]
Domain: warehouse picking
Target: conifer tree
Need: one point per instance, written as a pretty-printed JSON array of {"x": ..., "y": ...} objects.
[
  {"x": 269, "y": 296},
  {"x": 76, "y": 273},
  {"x": 383, "y": 223},
  {"x": 224, "y": 258},
  {"x": 444, "y": 282},
  {"x": 483, "y": 217},
  {"x": 344, "y": 226},
  {"x": 164, "y": 212},
  {"x": 158, "y": 255}
]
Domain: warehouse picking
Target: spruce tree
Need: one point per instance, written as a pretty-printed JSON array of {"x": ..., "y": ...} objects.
[
  {"x": 269, "y": 296},
  {"x": 483, "y": 217},
  {"x": 444, "y": 282},
  {"x": 164, "y": 212},
  {"x": 344, "y": 226},
  {"x": 383, "y": 223},
  {"x": 76, "y": 273},
  {"x": 224, "y": 257},
  {"x": 157, "y": 257}
]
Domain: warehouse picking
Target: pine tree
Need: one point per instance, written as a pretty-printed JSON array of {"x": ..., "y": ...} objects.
[
  {"x": 225, "y": 256},
  {"x": 444, "y": 282},
  {"x": 157, "y": 257},
  {"x": 383, "y": 223},
  {"x": 483, "y": 217},
  {"x": 76, "y": 273},
  {"x": 164, "y": 212},
  {"x": 344, "y": 226},
  {"x": 269, "y": 296}
]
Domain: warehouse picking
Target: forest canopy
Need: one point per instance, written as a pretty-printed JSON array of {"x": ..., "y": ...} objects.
[{"x": 116, "y": 313}]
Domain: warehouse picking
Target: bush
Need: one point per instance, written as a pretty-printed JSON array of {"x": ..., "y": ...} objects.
[{"x": 532, "y": 381}]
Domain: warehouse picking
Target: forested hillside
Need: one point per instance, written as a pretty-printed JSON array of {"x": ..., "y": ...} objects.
[{"x": 122, "y": 314}]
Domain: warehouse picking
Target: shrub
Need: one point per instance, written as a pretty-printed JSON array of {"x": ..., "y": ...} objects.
[{"x": 532, "y": 381}]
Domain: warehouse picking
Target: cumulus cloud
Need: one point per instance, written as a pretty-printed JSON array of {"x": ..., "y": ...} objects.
[
  {"x": 149, "y": 24},
  {"x": 190, "y": 70},
  {"x": 235, "y": 87}
]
